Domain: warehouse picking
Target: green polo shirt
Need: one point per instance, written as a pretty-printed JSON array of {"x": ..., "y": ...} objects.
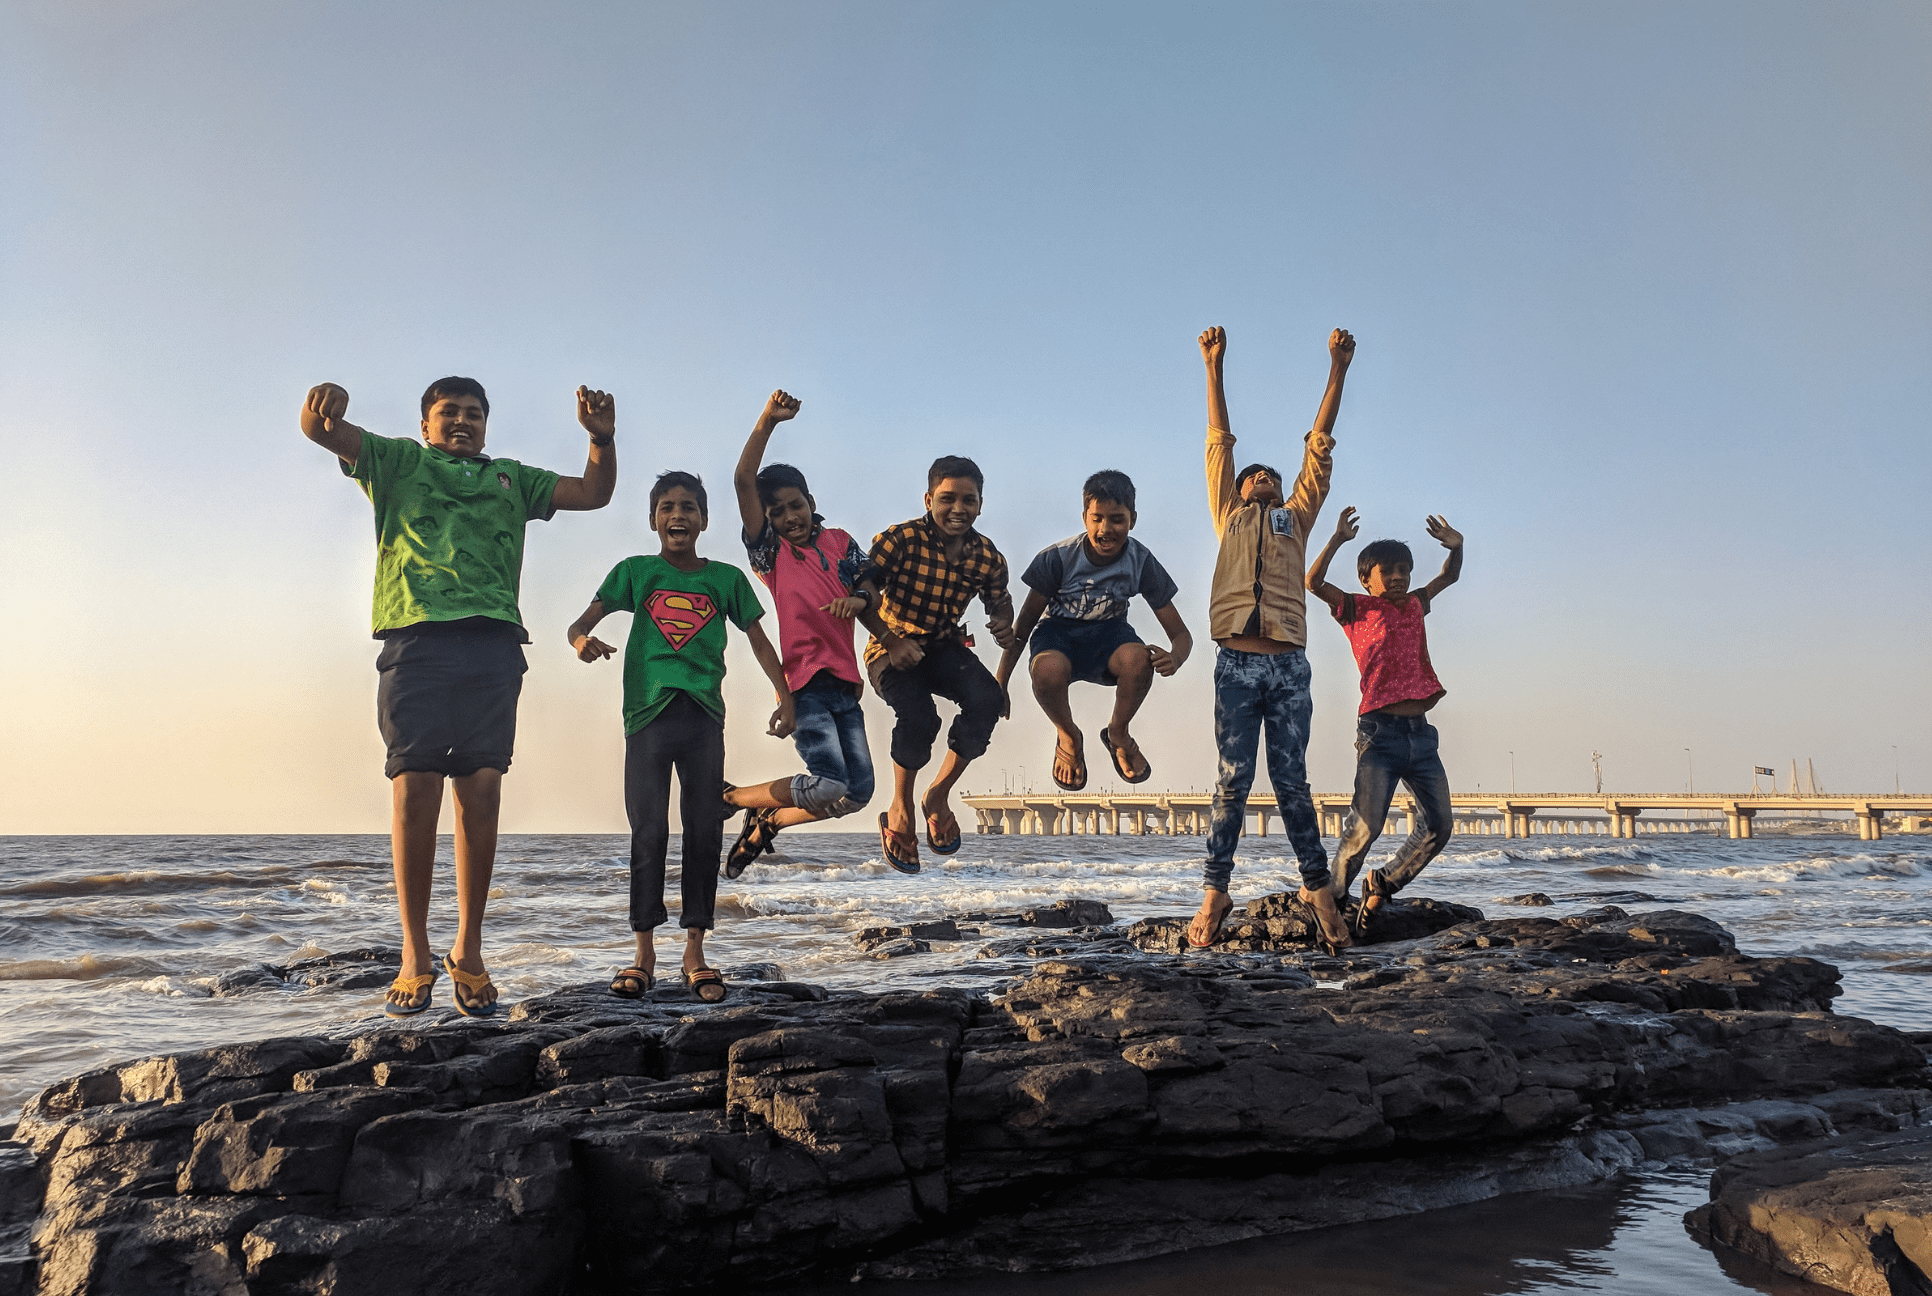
[{"x": 449, "y": 531}]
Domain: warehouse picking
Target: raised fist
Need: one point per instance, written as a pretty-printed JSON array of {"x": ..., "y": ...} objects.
[
  {"x": 597, "y": 412},
  {"x": 1214, "y": 344},
  {"x": 1341, "y": 346},
  {"x": 325, "y": 404},
  {"x": 781, "y": 406}
]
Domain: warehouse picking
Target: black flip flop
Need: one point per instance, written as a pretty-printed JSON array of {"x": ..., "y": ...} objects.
[
  {"x": 1080, "y": 762},
  {"x": 754, "y": 839},
  {"x": 1120, "y": 766},
  {"x": 643, "y": 979},
  {"x": 697, "y": 978},
  {"x": 890, "y": 855}
]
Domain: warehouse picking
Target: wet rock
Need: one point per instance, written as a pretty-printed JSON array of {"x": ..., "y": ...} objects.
[
  {"x": 1852, "y": 1215},
  {"x": 899, "y": 948},
  {"x": 20, "y": 1199},
  {"x": 1531, "y": 899},
  {"x": 1107, "y": 1102},
  {"x": 943, "y": 930},
  {"x": 1068, "y": 913}
]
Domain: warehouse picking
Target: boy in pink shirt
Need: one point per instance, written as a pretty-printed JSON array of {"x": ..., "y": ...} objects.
[
  {"x": 1393, "y": 739},
  {"x": 812, "y": 573}
]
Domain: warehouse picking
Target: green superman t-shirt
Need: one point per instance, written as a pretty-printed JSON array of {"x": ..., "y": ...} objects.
[
  {"x": 677, "y": 631},
  {"x": 449, "y": 531}
]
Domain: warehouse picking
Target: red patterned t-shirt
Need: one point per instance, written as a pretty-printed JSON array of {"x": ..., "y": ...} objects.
[{"x": 1391, "y": 648}]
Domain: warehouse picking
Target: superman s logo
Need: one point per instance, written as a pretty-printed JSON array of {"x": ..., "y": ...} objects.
[{"x": 679, "y": 616}]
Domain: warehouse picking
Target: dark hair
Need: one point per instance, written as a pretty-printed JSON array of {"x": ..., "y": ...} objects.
[
  {"x": 1109, "y": 484},
  {"x": 1381, "y": 553},
  {"x": 690, "y": 481},
  {"x": 773, "y": 478},
  {"x": 443, "y": 387},
  {"x": 954, "y": 466},
  {"x": 1241, "y": 478}
]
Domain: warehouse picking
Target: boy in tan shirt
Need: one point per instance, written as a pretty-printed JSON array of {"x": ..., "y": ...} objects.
[{"x": 1256, "y": 617}]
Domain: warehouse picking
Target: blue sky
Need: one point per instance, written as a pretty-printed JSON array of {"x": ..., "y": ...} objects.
[{"x": 1643, "y": 294}]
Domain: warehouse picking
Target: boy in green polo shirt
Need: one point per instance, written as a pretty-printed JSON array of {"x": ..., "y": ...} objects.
[
  {"x": 674, "y": 668},
  {"x": 449, "y": 557}
]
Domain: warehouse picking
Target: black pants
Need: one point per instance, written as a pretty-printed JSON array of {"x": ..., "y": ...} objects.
[
  {"x": 950, "y": 670},
  {"x": 685, "y": 737}
]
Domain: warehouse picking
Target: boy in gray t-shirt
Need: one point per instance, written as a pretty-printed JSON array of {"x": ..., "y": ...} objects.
[{"x": 1083, "y": 585}]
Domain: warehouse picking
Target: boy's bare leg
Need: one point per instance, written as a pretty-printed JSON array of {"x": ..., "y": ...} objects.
[
  {"x": 936, "y": 800},
  {"x": 899, "y": 816},
  {"x": 693, "y": 949},
  {"x": 1214, "y": 907},
  {"x": 478, "y": 797},
  {"x": 1052, "y": 676},
  {"x": 1133, "y": 668},
  {"x": 415, "y": 803},
  {"x": 775, "y": 795}
]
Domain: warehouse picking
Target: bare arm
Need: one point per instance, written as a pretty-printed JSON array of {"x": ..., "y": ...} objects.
[
  {"x": 785, "y": 718},
  {"x": 587, "y": 648},
  {"x": 744, "y": 479},
  {"x": 901, "y": 652},
  {"x": 1346, "y": 529},
  {"x": 1030, "y": 612},
  {"x": 598, "y": 413},
  {"x": 999, "y": 617},
  {"x": 1451, "y": 539},
  {"x": 1181, "y": 643},
  {"x": 322, "y": 423}
]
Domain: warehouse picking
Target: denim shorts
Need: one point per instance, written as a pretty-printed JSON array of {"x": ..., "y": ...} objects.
[{"x": 1089, "y": 645}]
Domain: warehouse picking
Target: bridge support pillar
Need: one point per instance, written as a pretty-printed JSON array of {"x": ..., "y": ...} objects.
[{"x": 1261, "y": 821}]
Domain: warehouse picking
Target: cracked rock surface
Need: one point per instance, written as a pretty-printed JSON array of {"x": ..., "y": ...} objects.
[{"x": 1106, "y": 1103}]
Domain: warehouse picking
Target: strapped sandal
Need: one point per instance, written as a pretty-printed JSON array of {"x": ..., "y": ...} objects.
[
  {"x": 470, "y": 984},
  {"x": 754, "y": 839},
  {"x": 1333, "y": 934},
  {"x": 725, "y": 808},
  {"x": 1120, "y": 766},
  {"x": 1214, "y": 933},
  {"x": 942, "y": 845},
  {"x": 890, "y": 853},
  {"x": 637, "y": 979},
  {"x": 698, "y": 980},
  {"x": 1372, "y": 897},
  {"x": 411, "y": 986},
  {"x": 1079, "y": 764}
]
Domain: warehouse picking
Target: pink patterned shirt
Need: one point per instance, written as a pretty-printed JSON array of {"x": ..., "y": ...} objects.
[{"x": 1391, "y": 648}]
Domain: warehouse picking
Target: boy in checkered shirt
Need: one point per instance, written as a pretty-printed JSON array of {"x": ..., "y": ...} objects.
[{"x": 920, "y": 577}]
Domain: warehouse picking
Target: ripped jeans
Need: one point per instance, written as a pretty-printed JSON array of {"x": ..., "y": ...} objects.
[
  {"x": 1257, "y": 693},
  {"x": 831, "y": 740}
]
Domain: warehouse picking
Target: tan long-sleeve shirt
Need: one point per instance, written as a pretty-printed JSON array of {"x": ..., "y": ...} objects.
[{"x": 1263, "y": 551}]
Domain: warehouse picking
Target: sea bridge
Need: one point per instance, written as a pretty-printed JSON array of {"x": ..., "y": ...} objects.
[{"x": 1476, "y": 814}]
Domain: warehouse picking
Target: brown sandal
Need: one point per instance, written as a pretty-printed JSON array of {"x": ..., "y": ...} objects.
[{"x": 1333, "y": 928}]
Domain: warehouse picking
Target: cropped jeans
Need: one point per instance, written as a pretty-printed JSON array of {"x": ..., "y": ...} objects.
[
  {"x": 830, "y": 738},
  {"x": 1257, "y": 694},
  {"x": 1389, "y": 749}
]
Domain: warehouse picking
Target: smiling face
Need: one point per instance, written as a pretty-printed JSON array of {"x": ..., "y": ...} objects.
[
  {"x": 1262, "y": 488},
  {"x": 678, "y": 521},
  {"x": 954, "y": 504},
  {"x": 1107, "y": 522},
  {"x": 790, "y": 514},
  {"x": 1388, "y": 580},
  {"x": 454, "y": 425}
]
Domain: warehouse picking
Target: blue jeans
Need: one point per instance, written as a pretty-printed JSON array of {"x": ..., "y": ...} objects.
[
  {"x": 1253, "y": 693},
  {"x": 831, "y": 739},
  {"x": 1388, "y": 748}
]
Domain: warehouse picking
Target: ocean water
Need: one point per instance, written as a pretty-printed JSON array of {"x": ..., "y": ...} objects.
[{"x": 109, "y": 946}]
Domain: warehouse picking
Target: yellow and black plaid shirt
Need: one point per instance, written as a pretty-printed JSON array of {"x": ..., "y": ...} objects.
[{"x": 922, "y": 595}]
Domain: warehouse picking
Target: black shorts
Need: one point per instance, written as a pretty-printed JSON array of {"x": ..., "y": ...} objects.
[
  {"x": 447, "y": 698},
  {"x": 1088, "y": 645}
]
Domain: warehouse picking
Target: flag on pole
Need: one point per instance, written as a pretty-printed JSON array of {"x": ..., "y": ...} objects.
[{"x": 1762, "y": 770}]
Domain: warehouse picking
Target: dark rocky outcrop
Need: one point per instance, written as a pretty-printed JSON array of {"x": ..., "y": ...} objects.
[
  {"x": 1851, "y": 1215},
  {"x": 1106, "y": 1104}
]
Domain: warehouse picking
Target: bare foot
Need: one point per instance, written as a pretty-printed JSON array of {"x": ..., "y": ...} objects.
[
  {"x": 1206, "y": 927},
  {"x": 1070, "y": 760}
]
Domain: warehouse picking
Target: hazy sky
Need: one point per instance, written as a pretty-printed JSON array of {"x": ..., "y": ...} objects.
[{"x": 1643, "y": 294}]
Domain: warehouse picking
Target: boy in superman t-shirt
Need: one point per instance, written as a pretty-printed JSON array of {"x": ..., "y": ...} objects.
[{"x": 674, "y": 716}]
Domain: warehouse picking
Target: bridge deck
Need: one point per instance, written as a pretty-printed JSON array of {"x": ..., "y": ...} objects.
[{"x": 1482, "y": 814}]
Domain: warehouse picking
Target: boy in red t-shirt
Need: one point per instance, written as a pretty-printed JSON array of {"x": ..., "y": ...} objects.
[{"x": 1393, "y": 739}]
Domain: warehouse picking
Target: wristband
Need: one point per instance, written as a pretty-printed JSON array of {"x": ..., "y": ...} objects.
[{"x": 601, "y": 442}]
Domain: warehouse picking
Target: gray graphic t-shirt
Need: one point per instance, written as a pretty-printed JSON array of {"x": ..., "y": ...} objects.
[{"x": 1079, "y": 590}]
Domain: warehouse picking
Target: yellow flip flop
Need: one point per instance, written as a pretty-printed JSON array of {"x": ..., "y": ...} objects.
[
  {"x": 471, "y": 983},
  {"x": 411, "y": 986}
]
